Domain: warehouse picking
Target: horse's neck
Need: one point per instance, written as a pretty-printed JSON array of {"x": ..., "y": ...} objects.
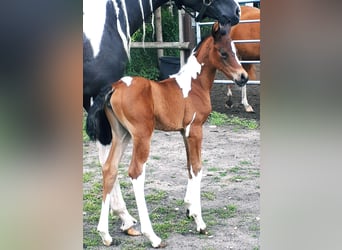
[
  {"x": 135, "y": 12},
  {"x": 208, "y": 71}
]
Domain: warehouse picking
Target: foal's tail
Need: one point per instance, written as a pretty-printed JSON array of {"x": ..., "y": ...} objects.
[{"x": 97, "y": 126}]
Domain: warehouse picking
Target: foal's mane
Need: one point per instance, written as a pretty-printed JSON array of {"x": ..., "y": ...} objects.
[{"x": 200, "y": 43}]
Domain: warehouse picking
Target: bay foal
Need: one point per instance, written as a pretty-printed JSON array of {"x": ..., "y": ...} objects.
[{"x": 136, "y": 106}]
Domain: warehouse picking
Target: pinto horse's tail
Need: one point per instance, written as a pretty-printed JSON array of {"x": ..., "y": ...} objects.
[{"x": 97, "y": 125}]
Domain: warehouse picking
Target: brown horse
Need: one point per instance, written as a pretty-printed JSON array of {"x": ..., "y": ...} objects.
[
  {"x": 246, "y": 51},
  {"x": 136, "y": 106}
]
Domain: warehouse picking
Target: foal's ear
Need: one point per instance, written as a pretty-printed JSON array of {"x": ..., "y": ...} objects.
[{"x": 218, "y": 30}]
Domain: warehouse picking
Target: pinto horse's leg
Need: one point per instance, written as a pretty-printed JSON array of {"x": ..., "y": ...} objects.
[
  {"x": 250, "y": 68},
  {"x": 229, "y": 102},
  {"x": 141, "y": 149},
  {"x": 192, "y": 198},
  {"x": 244, "y": 101}
]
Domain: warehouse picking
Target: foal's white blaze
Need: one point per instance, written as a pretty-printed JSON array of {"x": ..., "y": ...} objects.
[
  {"x": 235, "y": 53},
  {"x": 146, "y": 226},
  {"x": 94, "y": 16},
  {"x": 127, "y": 80},
  {"x": 102, "y": 227},
  {"x": 186, "y": 73},
  {"x": 193, "y": 198},
  {"x": 187, "y": 128}
]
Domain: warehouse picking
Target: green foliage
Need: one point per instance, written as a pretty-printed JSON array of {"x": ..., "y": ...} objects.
[
  {"x": 144, "y": 62},
  {"x": 220, "y": 119}
]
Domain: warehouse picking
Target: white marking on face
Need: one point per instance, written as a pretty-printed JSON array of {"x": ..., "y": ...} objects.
[
  {"x": 127, "y": 80},
  {"x": 94, "y": 16},
  {"x": 235, "y": 52},
  {"x": 146, "y": 226},
  {"x": 187, "y": 129},
  {"x": 186, "y": 73},
  {"x": 125, "y": 38}
]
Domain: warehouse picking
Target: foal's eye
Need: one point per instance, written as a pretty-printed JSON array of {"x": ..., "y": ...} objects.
[{"x": 224, "y": 55}]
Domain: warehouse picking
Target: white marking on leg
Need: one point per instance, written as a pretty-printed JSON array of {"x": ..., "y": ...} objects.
[
  {"x": 102, "y": 227},
  {"x": 229, "y": 92},
  {"x": 94, "y": 17},
  {"x": 103, "y": 152},
  {"x": 125, "y": 37},
  {"x": 187, "y": 128},
  {"x": 118, "y": 206},
  {"x": 127, "y": 80},
  {"x": 146, "y": 226},
  {"x": 244, "y": 100},
  {"x": 193, "y": 199},
  {"x": 186, "y": 73}
]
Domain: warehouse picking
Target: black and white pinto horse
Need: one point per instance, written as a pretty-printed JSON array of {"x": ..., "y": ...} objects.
[{"x": 107, "y": 27}]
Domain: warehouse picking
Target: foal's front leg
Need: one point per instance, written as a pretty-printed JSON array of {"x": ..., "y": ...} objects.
[
  {"x": 141, "y": 148},
  {"x": 193, "y": 191}
]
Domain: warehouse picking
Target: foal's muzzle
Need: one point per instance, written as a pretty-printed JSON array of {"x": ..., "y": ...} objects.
[{"x": 242, "y": 80}]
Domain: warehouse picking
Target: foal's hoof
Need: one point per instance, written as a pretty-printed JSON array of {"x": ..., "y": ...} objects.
[
  {"x": 249, "y": 109},
  {"x": 162, "y": 245},
  {"x": 132, "y": 232},
  {"x": 204, "y": 231},
  {"x": 228, "y": 104}
]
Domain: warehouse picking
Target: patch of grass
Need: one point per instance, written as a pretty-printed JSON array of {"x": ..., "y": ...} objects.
[
  {"x": 213, "y": 169},
  {"x": 87, "y": 176},
  {"x": 223, "y": 174},
  {"x": 219, "y": 119},
  {"x": 235, "y": 169},
  {"x": 156, "y": 196},
  {"x": 238, "y": 178},
  {"x": 248, "y": 163},
  {"x": 154, "y": 157},
  {"x": 209, "y": 195},
  {"x": 84, "y": 133}
]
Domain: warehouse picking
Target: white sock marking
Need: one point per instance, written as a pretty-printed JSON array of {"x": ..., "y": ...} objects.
[
  {"x": 187, "y": 128},
  {"x": 146, "y": 226},
  {"x": 102, "y": 227},
  {"x": 193, "y": 198},
  {"x": 118, "y": 206},
  {"x": 186, "y": 73},
  {"x": 94, "y": 16}
]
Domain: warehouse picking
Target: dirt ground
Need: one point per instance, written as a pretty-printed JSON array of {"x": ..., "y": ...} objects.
[{"x": 231, "y": 174}]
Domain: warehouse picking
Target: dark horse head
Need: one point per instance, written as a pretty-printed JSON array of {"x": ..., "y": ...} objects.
[{"x": 224, "y": 11}]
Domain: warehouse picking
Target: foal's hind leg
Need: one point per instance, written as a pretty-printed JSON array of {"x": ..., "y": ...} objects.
[
  {"x": 193, "y": 191},
  {"x": 112, "y": 196},
  {"x": 141, "y": 148}
]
